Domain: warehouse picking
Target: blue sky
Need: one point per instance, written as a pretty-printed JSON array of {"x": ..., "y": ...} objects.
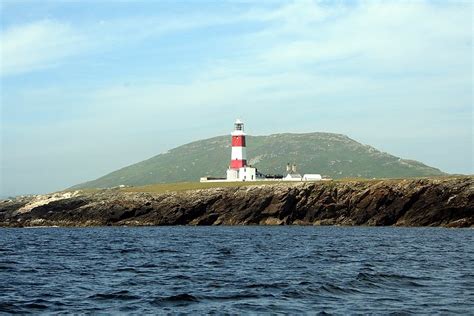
[{"x": 88, "y": 87}]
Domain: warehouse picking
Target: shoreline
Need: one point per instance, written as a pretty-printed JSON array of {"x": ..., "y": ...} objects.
[
  {"x": 239, "y": 226},
  {"x": 426, "y": 202}
]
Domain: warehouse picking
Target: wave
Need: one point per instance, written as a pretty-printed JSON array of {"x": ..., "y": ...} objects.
[
  {"x": 179, "y": 299},
  {"x": 121, "y": 295},
  {"x": 276, "y": 285},
  {"x": 335, "y": 289},
  {"x": 35, "y": 306},
  {"x": 8, "y": 308},
  {"x": 131, "y": 250},
  {"x": 383, "y": 279},
  {"x": 165, "y": 251},
  {"x": 237, "y": 296},
  {"x": 5, "y": 268}
]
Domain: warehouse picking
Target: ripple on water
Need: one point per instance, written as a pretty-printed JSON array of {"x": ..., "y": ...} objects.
[
  {"x": 275, "y": 285},
  {"x": 172, "y": 300},
  {"x": 120, "y": 296},
  {"x": 7, "y": 307},
  {"x": 337, "y": 290},
  {"x": 7, "y": 268},
  {"x": 236, "y": 270},
  {"x": 384, "y": 279}
]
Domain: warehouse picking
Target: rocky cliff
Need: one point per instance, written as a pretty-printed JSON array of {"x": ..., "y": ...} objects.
[{"x": 415, "y": 202}]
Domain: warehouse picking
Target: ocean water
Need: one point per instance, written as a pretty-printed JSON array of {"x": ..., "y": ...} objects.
[{"x": 244, "y": 270}]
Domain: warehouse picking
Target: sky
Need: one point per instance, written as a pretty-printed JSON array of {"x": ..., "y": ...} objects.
[{"x": 88, "y": 87}]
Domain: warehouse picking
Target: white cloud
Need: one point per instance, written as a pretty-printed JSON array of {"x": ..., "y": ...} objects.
[
  {"x": 38, "y": 45},
  {"x": 388, "y": 36},
  {"x": 46, "y": 43},
  {"x": 398, "y": 37},
  {"x": 295, "y": 13}
]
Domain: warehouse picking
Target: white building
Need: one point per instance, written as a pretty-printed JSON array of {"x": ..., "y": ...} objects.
[
  {"x": 293, "y": 177},
  {"x": 312, "y": 177},
  {"x": 247, "y": 174}
]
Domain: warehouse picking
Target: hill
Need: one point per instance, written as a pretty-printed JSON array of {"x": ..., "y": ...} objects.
[{"x": 333, "y": 155}]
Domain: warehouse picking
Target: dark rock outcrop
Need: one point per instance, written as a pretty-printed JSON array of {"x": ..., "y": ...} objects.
[{"x": 445, "y": 202}]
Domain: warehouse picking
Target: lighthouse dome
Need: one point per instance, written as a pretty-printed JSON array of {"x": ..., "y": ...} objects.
[{"x": 239, "y": 126}]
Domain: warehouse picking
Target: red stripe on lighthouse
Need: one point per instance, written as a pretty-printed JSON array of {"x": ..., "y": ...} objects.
[
  {"x": 238, "y": 141},
  {"x": 236, "y": 164}
]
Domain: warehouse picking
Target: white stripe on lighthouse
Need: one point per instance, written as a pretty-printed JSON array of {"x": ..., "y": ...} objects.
[{"x": 239, "y": 153}]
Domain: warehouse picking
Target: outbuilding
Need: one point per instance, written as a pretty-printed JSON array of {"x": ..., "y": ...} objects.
[{"x": 312, "y": 177}]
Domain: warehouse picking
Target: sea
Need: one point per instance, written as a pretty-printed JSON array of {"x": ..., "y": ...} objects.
[{"x": 237, "y": 270}]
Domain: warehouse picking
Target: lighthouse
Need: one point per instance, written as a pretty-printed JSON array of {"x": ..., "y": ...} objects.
[
  {"x": 239, "y": 151},
  {"x": 238, "y": 168}
]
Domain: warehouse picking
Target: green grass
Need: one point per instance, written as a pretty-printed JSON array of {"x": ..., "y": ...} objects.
[{"x": 185, "y": 186}]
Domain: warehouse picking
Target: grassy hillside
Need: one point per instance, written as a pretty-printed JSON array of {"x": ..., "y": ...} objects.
[{"x": 334, "y": 155}]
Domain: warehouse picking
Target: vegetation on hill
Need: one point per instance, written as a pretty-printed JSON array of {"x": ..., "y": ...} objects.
[{"x": 333, "y": 155}]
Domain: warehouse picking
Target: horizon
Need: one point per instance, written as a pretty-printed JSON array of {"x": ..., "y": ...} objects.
[{"x": 113, "y": 83}]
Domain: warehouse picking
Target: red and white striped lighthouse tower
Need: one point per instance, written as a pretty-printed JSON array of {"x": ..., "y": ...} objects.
[{"x": 239, "y": 151}]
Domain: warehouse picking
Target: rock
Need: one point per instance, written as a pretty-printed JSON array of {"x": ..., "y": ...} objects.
[{"x": 447, "y": 202}]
